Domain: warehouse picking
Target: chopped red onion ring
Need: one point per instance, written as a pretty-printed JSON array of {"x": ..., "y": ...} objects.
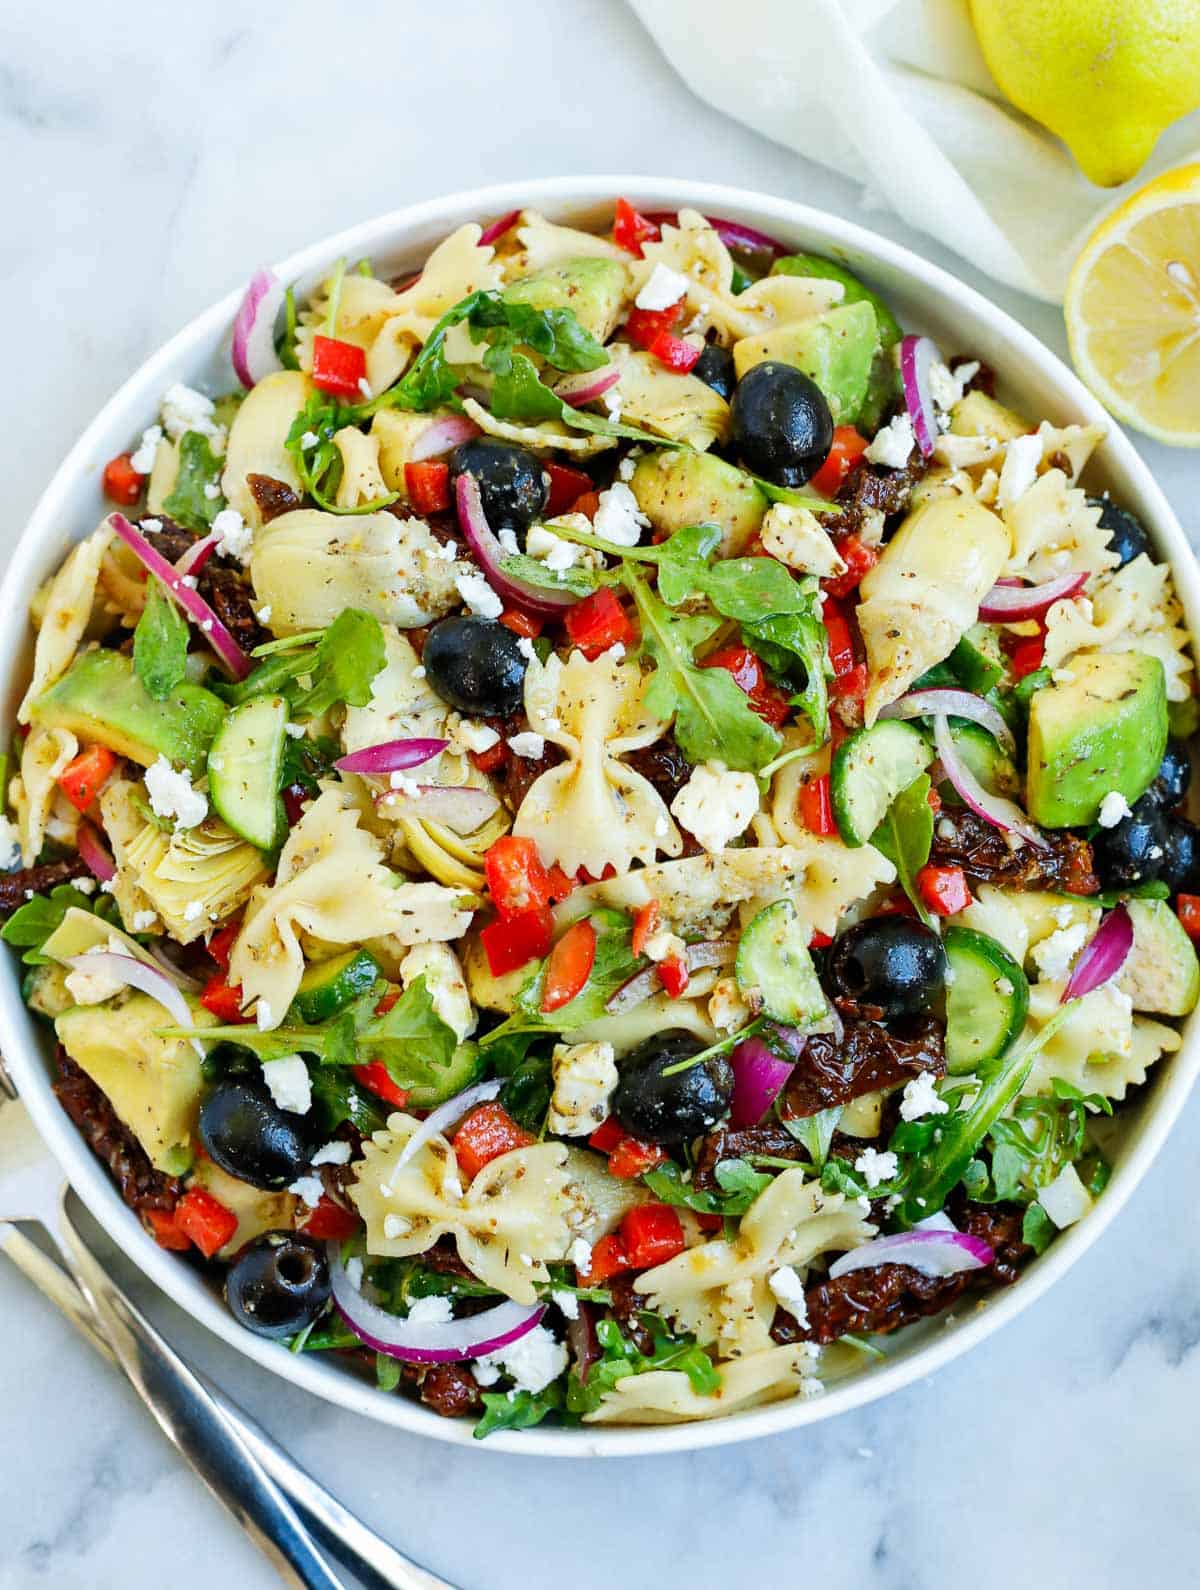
[
  {"x": 954, "y": 704},
  {"x": 917, "y": 355},
  {"x": 418, "y": 1342},
  {"x": 498, "y": 228},
  {"x": 932, "y": 1252},
  {"x": 709, "y": 952},
  {"x": 587, "y": 385},
  {"x": 254, "y": 353},
  {"x": 1006, "y": 603},
  {"x": 995, "y": 809},
  {"x": 459, "y": 806},
  {"x": 442, "y": 436},
  {"x": 229, "y": 653},
  {"x": 445, "y": 1115},
  {"x": 390, "y": 756},
  {"x": 197, "y": 555},
  {"x": 759, "y": 1076},
  {"x": 94, "y": 854},
  {"x": 140, "y": 975},
  {"x": 491, "y": 554},
  {"x": 1104, "y": 956}
]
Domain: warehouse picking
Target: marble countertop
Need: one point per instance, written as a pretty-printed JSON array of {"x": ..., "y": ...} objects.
[{"x": 149, "y": 156}]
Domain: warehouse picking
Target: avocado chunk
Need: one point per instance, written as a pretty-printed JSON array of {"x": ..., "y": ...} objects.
[
  {"x": 884, "y": 384},
  {"x": 101, "y": 700},
  {"x": 154, "y": 1084},
  {"x": 592, "y": 289},
  {"x": 1161, "y": 973},
  {"x": 978, "y": 659},
  {"x": 836, "y": 350},
  {"x": 1105, "y": 729},
  {"x": 680, "y": 488}
]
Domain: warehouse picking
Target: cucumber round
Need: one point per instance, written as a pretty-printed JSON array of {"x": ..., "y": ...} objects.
[
  {"x": 244, "y": 762},
  {"x": 330, "y": 986},
  {"x": 773, "y": 967},
  {"x": 987, "y": 999},
  {"x": 994, "y": 769},
  {"x": 869, "y": 770}
]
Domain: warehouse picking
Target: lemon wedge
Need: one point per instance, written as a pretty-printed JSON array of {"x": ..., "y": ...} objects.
[{"x": 1133, "y": 309}]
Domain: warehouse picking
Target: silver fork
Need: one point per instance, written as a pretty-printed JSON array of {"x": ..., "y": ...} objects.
[{"x": 274, "y": 1499}]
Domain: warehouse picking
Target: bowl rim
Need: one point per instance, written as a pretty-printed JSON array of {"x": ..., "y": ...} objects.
[{"x": 134, "y": 404}]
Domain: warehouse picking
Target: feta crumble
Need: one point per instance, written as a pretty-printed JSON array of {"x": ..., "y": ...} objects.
[
  {"x": 93, "y": 988},
  {"x": 1113, "y": 808},
  {"x": 619, "y": 518},
  {"x": 476, "y": 737},
  {"x": 235, "y": 534},
  {"x": 716, "y": 805},
  {"x": 289, "y": 1083},
  {"x": 580, "y": 1254},
  {"x": 185, "y": 409},
  {"x": 528, "y": 744},
  {"x": 171, "y": 794},
  {"x": 567, "y": 1302},
  {"x": 142, "y": 460},
  {"x": 507, "y": 538},
  {"x": 478, "y": 595},
  {"x": 263, "y": 615},
  {"x": 875, "y": 1167},
  {"x": 550, "y": 549},
  {"x": 585, "y": 1079},
  {"x": 662, "y": 288},
  {"x": 310, "y": 1189},
  {"x": 533, "y": 1360},
  {"x": 893, "y": 444},
  {"x": 1055, "y": 955},
  {"x": 334, "y": 1153},
  {"x": 1019, "y": 471},
  {"x": 788, "y": 1291},
  {"x": 921, "y": 1099}
]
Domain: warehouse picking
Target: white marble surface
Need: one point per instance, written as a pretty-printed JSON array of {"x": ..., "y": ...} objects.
[{"x": 150, "y": 157}]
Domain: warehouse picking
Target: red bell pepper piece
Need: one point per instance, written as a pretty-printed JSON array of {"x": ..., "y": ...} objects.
[
  {"x": 514, "y": 941},
  {"x": 632, "y": 1158},
  {"x": 224, "y": 999},
  {"x": 943, "y": 890},
  {"x": 841, "y": 644},
  {"x": 816, "y": 806},
  {"x": 566, "y": 485},
  {"x": 820, "y": 941},
  {"x": 748, "y": 674},
  {"x": 587, "y": 504},
  {"x": 329, "y": 1222},
  {"x": 570, "y": 966},
  {"x": 377, "y": 1079},
  {"x": 645, "y": 326},
  {"x": 1026, "y": 655},
  {"x": 859, "y": 559},
  {"x": 83, "y": 775},
  {"x": 516, "y": 879},
  {"x": 488, "y": 761},
  {"x": 608, "y": 1258},
  {"x": 598, "y": 622},
  {"x": 389, "y": 1001},
  {"x": 606, "y": 1136},
  {"x": 1187, "y": 909},
  {"x": 848, "y": 447},
  {"x": 205, "y": 1220},
  {"x": 673, "y": 974},
  {"x": 645, "y": 925},
  {"x": 164, "y": 1228},
  {"x": 651, "y": 1234},
  {"x": 220, "y": 946},
  {"x": 338, "y": 367},
  {"x": 122, "y": 483},
  {"x": 487, "y": 1132},
  {"x": 521, "y": 623},
  {"x": 631, "y": 229},
  {"x": 850, "y": 686},
  {"x": 428, "y": 485},
  {"x": 677, "y": 353}
]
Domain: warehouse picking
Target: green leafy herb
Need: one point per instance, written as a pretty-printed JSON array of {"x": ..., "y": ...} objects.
[
  {"x": 1037, "y": 1228},
  {"x": 815, "y": 1132},
  {"x": 31, "y": 924},
  {"x": 905, "y": 837},
  {"x": 736, "y": 1177},
  {"x": 332, "y": 1042},
  {"x": 786, "y": 639},
  {"x": 306, "y": 761},
  {"x": 528, "y": 1077},
  {"x": 1043, "y": 1136},
  {"x": 343, "y": 664},
  {"x": 411, "y": 1039},
  {"x": 517, "y": 1410},
  {"x": 286, "y": 346},
  {"x": 668, "y": 1186},
  {"x": 188, "y": 503},
  {"x": 614, "y": 964},
  {"x": 160, "y": 643},
  {"x": 399, "y": 1283},
  {"x": 621, "y": 1359},
  {"x": 318, "y": 457},
  {"x": 387, "y": 1372},
  {"x": 328, "y": 1335},
  {"x": 338, "y": 1097},
  {"x": 578, "y": 580}
]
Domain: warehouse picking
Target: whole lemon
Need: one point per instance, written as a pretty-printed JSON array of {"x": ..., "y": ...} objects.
[{"x": 1106, "y": 76}]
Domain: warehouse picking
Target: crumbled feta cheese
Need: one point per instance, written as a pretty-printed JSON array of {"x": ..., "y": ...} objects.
[
  {"x": 85, "y": 885},
  {"x": 921, "y": 1098},
  {"x": 612, "y": 402},
  {"x": 309, "y": 439},
  {"x": 788, "y": 1291},
  {"x": 566, "y": 1301},
  {"x": 550, "y": 549},
  {"x": 289, "y": 1083},
  {"x": 727, "y": 1010},
  {"x": 264, "y": 614},
  {"x": 1066, "y": 1200},
  {"x": 716, "y": 805},
  {"x": 294, "y": 731},
  {"x": 396, "y": 1226},
  {"x": 526, "y": 647},
  {"x": 354, "y": 1273},
  {"x": 171, "y": 794},
  {"x": 403, "y": 784},
  {"x": 893, "y": 444},
  {"x": 143, "y": 459},
  {"x": 533, "y": 1360},
  {"x": 585, "y": 1078},
  {"x": 185, "y": 409},
  {"x": 662, "y": 288},
  {"x": 448, "y": 551},
  {"x": 809, "y": 1387},
  {"x": 10, "y": 844},
  {"x": 1054, "y": 955},
  {"x": 211, "y": 490},
  {"x": 528, "y": 744},
  {"x": 618, "y": 518},
  {"x": 1113, "y": 808},
  {"x": 664, "y": 946},
  {"x": 93, "y": 988},
  {"x": 310, "y": 1189},
  {"x": 1021, "y": 459},
  {"x": 263, "y": 1015},
  {"x": 236, "y": 536},
  {"x": 486, "y": 1373},
  {"x": 430, "y": 1311},
  {"x": 188, "y": 580},
  {"x": 507, "y": 538},
  {"x": 946, "y": 385},
  {"x": 628, "y": 465},
  {"x": 580, "y": 1254},
  {"x": 478, "y": 595},
  {"x": 945, "y": 828},
  {"x": 332, "y": 1154},
  {"x": 615, "y": 653},
  {"x": 193, "y": 910},
  {"x": 875, "y": 1168}
]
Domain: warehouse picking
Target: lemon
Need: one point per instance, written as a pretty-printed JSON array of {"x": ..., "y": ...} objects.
[
  {"x": 1133, "y": 309},
  {"x": 1106, "y": 76}
]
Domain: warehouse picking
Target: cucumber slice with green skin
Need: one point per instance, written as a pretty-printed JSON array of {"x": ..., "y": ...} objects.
[
  {"x": 243, "y": 770},
  {"x": 466, "y": 1066},
  {"x": 987, "y": 999},
  {"x": 869, "y": 770},
  {"x": 330, "y": 986},
  {"x": 978, "y": 660},
  {"x": 994, "y": 769},
  {"x": 774, "y": 969}
]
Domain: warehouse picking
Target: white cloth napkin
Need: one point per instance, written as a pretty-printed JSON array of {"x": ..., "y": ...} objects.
[{"x": 896, "y": 94}]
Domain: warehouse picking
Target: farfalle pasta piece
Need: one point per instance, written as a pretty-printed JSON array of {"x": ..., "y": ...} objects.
[
  {"x": 680, "y": 407},
  {"x": 924, "y": 593},
  {"x": 1132, "y": 609},
  {"x": 593, "y": 810},
  {"x": 517, "y": 1215},
  {"x": 65, "y": 615},
  {"x": 44, "y": 755},
  {"x": 361, "y": 480},
  {"x": 541, "y": 243},
  {"x": 257, "y": 439},
  {"x": 1101, "y": 1047},
  {"x": 1056, "y": 530},
  {"x": 331, "y": 883},
  {"x": 403, "y": 705},
  {"x": 666, "y": 1396}
]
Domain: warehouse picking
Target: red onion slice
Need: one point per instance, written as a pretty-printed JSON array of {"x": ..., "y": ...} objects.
[
  {"x": 954, "y": 704},
  {"x": 445, "y": 1115},
  {"x": 498, "y": 228},
  {"x": 709, "y": 952},
  {"x": 390, "y": 756},
  {"x": 995, "y": 809},
  {"x": 145, "y": 978},
  {"x": 422, "y": 1343},
  {"x": 734, "y": 234},
  {"x": 587, "y": 385},
  {"x": 1104, "y": 956},
  {"x": 180, "y": 979},
  {"x": 442, "y": 436},
  {"x": 1007, "y": 603},
  {"x": 197, "y": 555},
  {"x": 230, "y": 654},
  {"x": 491, "y": 554},
  {"x": 459, "y": 806},
  {"x": 94, "y": 854},
  {"x": 933, "y": 1252},
  {"x": 917, "y": 355},
  {"x": 254, "y": 353},
  {"x": 758, "y": 1078}
]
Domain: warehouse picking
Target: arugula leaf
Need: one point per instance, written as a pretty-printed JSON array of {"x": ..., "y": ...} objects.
[
  {"x": 337, "y": 1097},
  {"x": 411, "y": 1039},
  {"x": 345, "y": 661},
  {"x": 556, "y": 334},
  {"x": 311, "y": 443},
  {"x": 528, "y": 1077},
  {"x": 199, "y": 467},
  {"x": 785, "y": 639},
  {"x": 736, "y": 1177},
  {"x": 668, "y": 1186},
  {"x": 815, "y": 1132},
  {"x": 614, "y": 964},
  {"x": 517, "y": 1410},
  {"x": 621, "y": 1359},
  {"x": 1044, "y": 1135},
  {"x": 160, "y": 643},
  {"x": 1037, "y": 1228},
  {"x": 578, "y": 580},
  {"x": 399, "y": 1283},
  {"x": 305, "y": 761},
  {"x": 332, "y": 1042},
  {"x": 905, "y": 837},
  {"x": 31, "y": 924}
]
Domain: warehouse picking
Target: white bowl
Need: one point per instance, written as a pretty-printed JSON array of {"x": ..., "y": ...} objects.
[{"x": 923, "y": 297}]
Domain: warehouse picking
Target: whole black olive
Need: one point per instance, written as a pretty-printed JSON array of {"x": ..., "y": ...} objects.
[
  {"x": 1133, "y": 851},
  {"x": 889, "y": 961},
  {"x": 1174, "y": 775},
  {"x": 512, "y": 481},
  {"x": 247, "y": 1134},
  {"x": 782, "y": 428},
  {"x": 278, "y": 1283},
  {"x": 1128, "y": 539},
  {"x": 661, "y": 1109},
  {"x": 1181, "y": 857},
  {"x": 716, "y": 369},
  {"x": 476, "y": 665}
]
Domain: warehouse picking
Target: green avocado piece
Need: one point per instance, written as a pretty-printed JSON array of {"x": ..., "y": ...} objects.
[
  {"x": 978, "y": 659},
  {"x": 592, "y": 289},
  {"x": 836, "y": 349},
  {"x": 883, "y": 387},
  {"x": 680, "y": 487},
  {"x": 154, "y": 1084},
  {"x": 101, "y": 700},
  {"x": 1104, "y": 729},
  {"x": 1161, "y": 973}
]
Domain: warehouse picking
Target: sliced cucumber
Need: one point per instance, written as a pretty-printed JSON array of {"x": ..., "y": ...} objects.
[
  {"x": 869, "y": 770},
  {"x": 466, "y": 1066},
  {"x": 330, "y": 986},
  {"x": 243, "y": 770},
  {"x": 1161, "y": 973},
  {"x": 774, "y": 969},
  {"x": 978, "y": 660},
  {"x": 994, "y": 769},
  {"x": 987, "y": 997}
]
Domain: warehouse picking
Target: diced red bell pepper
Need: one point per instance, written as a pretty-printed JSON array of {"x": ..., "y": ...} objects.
[
  {"x": 516, "y": 879},
  {"x": 816, "y": 806},
  {"x": 389, "y": 1002},
  {"x": 819, "y": 940},
  {"x": 570, "y": 966},
  {"x": 428, "y": 485},
  {"x": 1187, "y": 909},
  {"x": 943, "y": 890},
  {"x": 205, "y": 1220},
  {"x": 645, "y": 326},
  {"x": 488, "y": 761},
  {"x": 122, "y": 483},
  {"x": 848, "y": 447},
  {"x": 329, "y": 1222},
  {"x": 164, "y": 1228},
  {"x": 859, "y": 559},
  {"x": 220, "y": 946},
  {"x": 521, "y": 623},
  {"x": 651, "y": 1234},
  {"x": 566, "y": 484},
  {"x": 224, "y": 999},
  {"x": 673, "y": 974},
  {"x": 338, "y": 367},
  {"x": 514, "y": 941},
  {"x": 377, "y": 1079},
  {"x": 1026, "y": 655},
  {"x": 587, "y": 504},
  {"x": 677, "y": 353},
  {"x": 559, "y": 884},
  {"x": 632, "y": 1158},
  {"x": 608, "y": 1258},
  {"x": 746, "y": 669},
  {"x": 896, "y": 905},
  {"x": 83, "y": 775},
  {"x": 841, "y": 644},
  {"x": 487, "y": 1132},
  {"x": 850, "y": 686},
  {"x": 631, "y": 229},
  {"x": 933, "y": 800},
  {"x": 598, "y": 622},
  {"x": 645, "y": 925},
  {"x": 606, "y": 1136}
]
